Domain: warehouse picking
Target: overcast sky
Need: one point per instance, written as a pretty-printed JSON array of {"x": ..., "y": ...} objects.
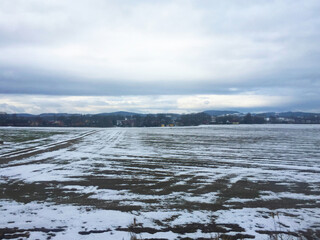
[{"x": 159, "y": 56}]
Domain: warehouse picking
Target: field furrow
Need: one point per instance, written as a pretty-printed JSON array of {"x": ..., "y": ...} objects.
[{"x": 163, "y": 183}]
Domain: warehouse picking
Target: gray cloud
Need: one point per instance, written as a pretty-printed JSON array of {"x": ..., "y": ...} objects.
[
  {"x": 10, "y": 108},
  {"x": 130, "y": 48}
]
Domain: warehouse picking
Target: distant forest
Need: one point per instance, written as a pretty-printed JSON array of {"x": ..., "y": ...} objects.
[{"x": 127, "y": 119}]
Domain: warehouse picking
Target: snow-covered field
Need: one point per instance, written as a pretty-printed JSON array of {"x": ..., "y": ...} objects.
[{"x": 244, "y": 181}]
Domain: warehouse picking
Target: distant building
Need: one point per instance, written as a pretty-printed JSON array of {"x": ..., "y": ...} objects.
[
  {"x": 126, "y": 122},
  {"x": 119, "y": 123},
  {"x": 213, "y": 120}
]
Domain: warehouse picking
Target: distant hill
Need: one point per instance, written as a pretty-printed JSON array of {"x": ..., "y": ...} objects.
[
  {"x": 24, "y": 115},
  {"x": 119, "y": 113},
  {"x": 215, "y": 113},
  {"x": 266, "y": 114},
  {"x": 58, "y": 114},
  {"x": 288, "y": 114},
  {"x": 220, "y": 113},
  {"x": 297, "y": 114}
]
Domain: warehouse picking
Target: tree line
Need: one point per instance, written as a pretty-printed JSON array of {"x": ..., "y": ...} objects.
[
  {"x": 78, "y": 120},
  {"x": 140, "y": 120}
]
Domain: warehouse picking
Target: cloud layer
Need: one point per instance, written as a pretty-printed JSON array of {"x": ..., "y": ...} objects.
[
  {"x": 260, "y": 49},
  {"x": 143, "y": 104}
]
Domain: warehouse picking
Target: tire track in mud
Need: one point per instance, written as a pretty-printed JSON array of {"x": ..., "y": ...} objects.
[
  {"x": 104, "y": 141},
  {"x": 28, "y": 152}
]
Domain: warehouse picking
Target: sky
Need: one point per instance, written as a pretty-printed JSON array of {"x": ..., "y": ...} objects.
[{"x": 159, "y": 56}]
